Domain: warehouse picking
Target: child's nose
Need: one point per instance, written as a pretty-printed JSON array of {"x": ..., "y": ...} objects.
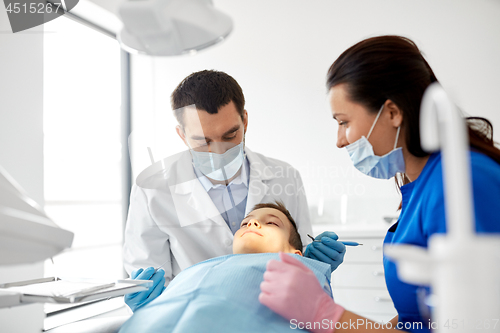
[{"x": 254, "y": 223}]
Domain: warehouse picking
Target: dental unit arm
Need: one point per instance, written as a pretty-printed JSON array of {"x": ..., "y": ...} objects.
[{"x": 461, "y": 267}]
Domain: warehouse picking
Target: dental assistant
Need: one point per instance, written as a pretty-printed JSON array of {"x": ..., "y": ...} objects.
[
  {"x": 375, "y": 90},
  {"x": 196, "y": 204}
]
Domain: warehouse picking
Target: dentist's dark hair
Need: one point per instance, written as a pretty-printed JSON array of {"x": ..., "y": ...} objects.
[
  {"x": 209, "y": 90},
  {"x": 392, "y": 67}
]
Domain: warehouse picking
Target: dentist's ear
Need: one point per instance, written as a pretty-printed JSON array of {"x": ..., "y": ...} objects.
[
  {"x": 245, "y": 120},
  {"x": 395, "y": 113}
]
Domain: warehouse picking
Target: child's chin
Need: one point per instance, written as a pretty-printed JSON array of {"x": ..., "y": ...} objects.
[{"x": 248, "y": 248}]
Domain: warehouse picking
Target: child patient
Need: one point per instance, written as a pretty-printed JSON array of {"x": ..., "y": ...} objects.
[
  {"x": 268, "y": 228},
  {"x": 221, "y": 294}
]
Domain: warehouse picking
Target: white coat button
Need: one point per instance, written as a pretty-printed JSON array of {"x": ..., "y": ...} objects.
[{"x": 229, "y": 242}]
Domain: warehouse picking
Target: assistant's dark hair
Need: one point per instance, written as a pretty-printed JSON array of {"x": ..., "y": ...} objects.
[
  {"x": 209, "y": 90},
  {"x": 294, "y": 239},
  {"x": 392, "y": 67}
]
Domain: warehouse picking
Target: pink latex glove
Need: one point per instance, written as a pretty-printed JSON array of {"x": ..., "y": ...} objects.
[{"x": 292, "y": 290}]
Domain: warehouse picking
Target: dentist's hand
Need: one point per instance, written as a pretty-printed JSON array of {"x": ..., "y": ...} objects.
[
  {"x": 328, "y": 250},
  {"x": 136, "y": 300},
  {"x": 292, "y": 290}
]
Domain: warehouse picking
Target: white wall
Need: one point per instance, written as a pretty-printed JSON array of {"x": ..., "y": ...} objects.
[
  {"x": 21, "y": 146},
  {"x": 280, "y": 52}
]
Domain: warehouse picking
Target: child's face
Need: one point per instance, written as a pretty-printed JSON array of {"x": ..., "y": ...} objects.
[{"x": 264, "y": 230}]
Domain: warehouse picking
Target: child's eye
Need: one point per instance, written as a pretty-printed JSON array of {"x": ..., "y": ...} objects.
[
  {"x": 342, "y": 123},
  {"x": 243, "y": 224},
  {"x": 271, "y": 222}
]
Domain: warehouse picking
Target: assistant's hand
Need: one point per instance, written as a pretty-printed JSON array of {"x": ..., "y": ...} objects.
[
  {"x": 136, "y": 300},
  {"x": 328, "y": 250},
  {"x": 293, "y": 291}
]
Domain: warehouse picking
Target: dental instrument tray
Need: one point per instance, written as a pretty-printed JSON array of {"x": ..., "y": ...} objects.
[{"x": 56, "y": 290}]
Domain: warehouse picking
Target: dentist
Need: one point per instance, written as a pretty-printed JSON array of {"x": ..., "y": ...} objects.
[
  {"x": 375, "y": 90},
  {"x": 196, "y": 204}
]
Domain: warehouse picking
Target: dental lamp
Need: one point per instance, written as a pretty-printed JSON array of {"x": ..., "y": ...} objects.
[
  {"x": 464, "y": 295},
  {"x": 171, "y": 27},
  {"x": 27, "y": 235}
]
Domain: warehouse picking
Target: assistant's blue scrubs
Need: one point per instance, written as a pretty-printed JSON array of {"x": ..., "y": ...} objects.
[{"x": 423, "y": 214}]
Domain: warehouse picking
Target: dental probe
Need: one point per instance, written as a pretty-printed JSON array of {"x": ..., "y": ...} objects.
[{"x": 348, "y": 243}]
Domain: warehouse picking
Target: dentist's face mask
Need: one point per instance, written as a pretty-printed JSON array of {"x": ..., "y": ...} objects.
[
  {"x": 382, "y": 167},
  {"x": 219, "y": 167}
]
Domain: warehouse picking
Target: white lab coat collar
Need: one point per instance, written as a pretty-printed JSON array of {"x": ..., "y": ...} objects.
[
  {"x": 258, "y": 169},
  {"x": 199, "y": 199},
  {"x": 242, "y": 178},
  {"x": 260, "y": 173}
]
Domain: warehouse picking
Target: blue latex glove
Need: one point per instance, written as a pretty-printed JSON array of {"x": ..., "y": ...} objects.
[
  {"x": 328, "y": 250},
  {"x": 136, "y": 300}
]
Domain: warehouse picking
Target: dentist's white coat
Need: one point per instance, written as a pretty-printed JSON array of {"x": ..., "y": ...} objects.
[{"x": 172, "y": 218}]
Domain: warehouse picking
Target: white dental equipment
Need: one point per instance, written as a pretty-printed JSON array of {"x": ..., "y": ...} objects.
[
  {"x": 171, "y": 27},
  {"x": 466, "y": 295},
  {"x": 27, "y": 235}
]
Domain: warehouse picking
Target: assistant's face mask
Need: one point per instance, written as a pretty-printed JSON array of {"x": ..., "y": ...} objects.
[
  {"x": 220, "y": 167},
  {"x": 382, "y": 167}
]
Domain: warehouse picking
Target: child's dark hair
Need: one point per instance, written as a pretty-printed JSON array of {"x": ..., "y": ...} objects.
[{"x": 294, "y": 239}]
